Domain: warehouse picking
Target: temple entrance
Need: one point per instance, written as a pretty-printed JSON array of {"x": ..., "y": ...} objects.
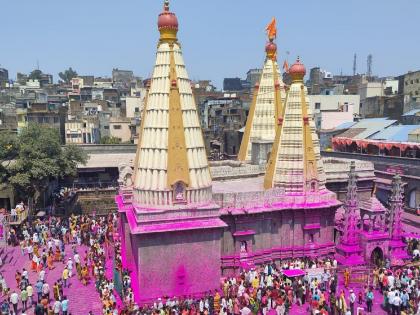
[{"x": 377, "y": 257}]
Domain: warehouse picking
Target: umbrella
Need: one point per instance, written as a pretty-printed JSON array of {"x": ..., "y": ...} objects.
[{"x": 41, "y": 214}]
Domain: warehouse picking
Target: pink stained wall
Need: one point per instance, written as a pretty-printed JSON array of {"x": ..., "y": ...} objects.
[
  {"x": 278, "y": 235},
  {"x": 178, "y": 263}
]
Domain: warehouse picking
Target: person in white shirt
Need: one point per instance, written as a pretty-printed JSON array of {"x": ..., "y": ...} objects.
[
  {"x": 396, "y": 305},
  {"x": 352, "y": 300},
  {"x": 416, "y": 254},
  {"x": 14, "y": 299},
  {"x": 42, "y": 275},
  {"x": 70, "y": 267},
  {"x": 46, "y": 290},
  {"x": 57, "y": 307},
  {"x": 391, "y": 281},
  {"x": 30, "y": 291}
]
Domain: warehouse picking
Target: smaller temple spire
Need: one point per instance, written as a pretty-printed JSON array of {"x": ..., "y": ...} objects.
[
  {"x": 396, "y": 209},
  {"x": 350, "y": 230}
]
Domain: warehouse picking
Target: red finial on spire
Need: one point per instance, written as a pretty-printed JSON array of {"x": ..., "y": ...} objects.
[
  {"x": 297, "y": 70},
  {"x": 167, "y": 20}
]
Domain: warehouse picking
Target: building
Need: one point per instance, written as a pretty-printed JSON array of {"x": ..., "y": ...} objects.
[
  {"x": 4, "y": 77},
  {"x": 378, "y": 136},
  {"x": 170, "y": 207},
  {"x": 411, "y": 117},
  {"x": 8, "y": 118},
  {"x": 122, "y": 78},
  {"x": 221, "y": 120},
  {"x": 83, "y": 131},
  {"x": 268, "y": 100},
  {"x": 120, "y": 128},
  {"x": 232, "y": 85},
  {"x": 48, "y": 115},
  {"x": 382, "y": 106},
  {"x": 331, "y": 111},
  {"x": 412, "y": 87},
  {"x": 253, "y": 76},
  {"x": 134, "y": 105}
]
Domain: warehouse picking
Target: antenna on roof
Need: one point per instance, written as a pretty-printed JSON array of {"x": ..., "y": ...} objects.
[
  {"x": 354, "y": 64},
  {"x": 369, "y": 65}
]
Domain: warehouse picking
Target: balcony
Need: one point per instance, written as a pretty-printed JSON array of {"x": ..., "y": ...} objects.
[{"x": 17, "y": 219}]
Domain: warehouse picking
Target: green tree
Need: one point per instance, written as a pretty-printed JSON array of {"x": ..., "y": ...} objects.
[
  {"x": 67, "y": 75},
  {"x": 35, "y": 75},
  {"x": 8, "y": 152},
  {"x": 39, "y": 158},
  {"x": 110, "y": 140}
]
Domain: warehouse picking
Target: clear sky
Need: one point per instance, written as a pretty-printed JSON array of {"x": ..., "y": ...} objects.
[{"x": 220, "y": 38}]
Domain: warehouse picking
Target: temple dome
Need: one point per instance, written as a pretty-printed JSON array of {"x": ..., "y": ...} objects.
[
  {"x": 271, "y": 49},
  {"x": 297, "y": 71},
  {"x": 167, "y": 23}
]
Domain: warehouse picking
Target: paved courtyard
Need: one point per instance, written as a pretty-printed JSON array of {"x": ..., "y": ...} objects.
[{"x": 82, "y": 299}]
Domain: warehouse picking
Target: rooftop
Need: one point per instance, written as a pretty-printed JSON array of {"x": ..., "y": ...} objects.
[
  {"x": 395, "y": 133},
  {"x": 366, "y": 128},
  {"x": 413, "y": 112}
]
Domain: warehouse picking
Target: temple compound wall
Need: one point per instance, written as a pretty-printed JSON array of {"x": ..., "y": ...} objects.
[{"x": 252, "y": 239}]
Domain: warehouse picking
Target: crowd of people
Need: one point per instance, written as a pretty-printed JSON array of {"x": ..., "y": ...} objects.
[
  {"x": 44, "y": 243},
  {"x": 81, "y": 247}
]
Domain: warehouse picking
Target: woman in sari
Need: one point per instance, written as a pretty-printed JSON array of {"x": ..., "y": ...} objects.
[{"x": 50, "y": 262}]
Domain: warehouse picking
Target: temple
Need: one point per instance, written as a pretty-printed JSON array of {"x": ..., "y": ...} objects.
[
  {"x": 182, "y": 231},
  {"x": 172, "y": 227},
  {"x": 349, "y": 252},
  {"x": 267, "y": 103}
]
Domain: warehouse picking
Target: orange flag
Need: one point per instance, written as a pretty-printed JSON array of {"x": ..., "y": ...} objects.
[
  {"x": 271, "y": 29},
  {"x": 285, "y": 66}
]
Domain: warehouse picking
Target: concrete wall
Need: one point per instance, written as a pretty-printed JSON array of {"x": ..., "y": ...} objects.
[
  {"x": 133, "y": 106},
  {"x": 412, "y": 86},
  {"x": 120, "y": 128},
  {"x": 333, "y": 102},
  {"x": 331, "y": 120},
  {"x": 371, "y": 89},
  {"x": 276, "y": 235},
  {"x": 178, "y": 263}
]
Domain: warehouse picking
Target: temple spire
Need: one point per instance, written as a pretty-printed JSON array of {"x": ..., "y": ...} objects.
[
  {"x": 171, "y": 166},
  {"x": 351, "y": 206},
  {"x": 295, "y": 163},
  {"x": 396, "y": 209},
  {"x": 268, "y": 100}
]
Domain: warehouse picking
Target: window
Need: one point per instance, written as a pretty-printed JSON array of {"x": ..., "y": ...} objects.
[
  {"x": 317, "y": 105},
  {"x": 136, "y": 109},
  {"x": 117, "y": 126},
  {"x": 106, "y": 127}
]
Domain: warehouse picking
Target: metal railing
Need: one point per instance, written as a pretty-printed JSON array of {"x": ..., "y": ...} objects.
[{"x": 16, "y": 219}]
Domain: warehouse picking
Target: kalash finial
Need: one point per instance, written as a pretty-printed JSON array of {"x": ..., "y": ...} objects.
[
  {"x": 271, "y": 47},
  {"x": 297, "y": 71},
  {"x": 167, "y": 24}
]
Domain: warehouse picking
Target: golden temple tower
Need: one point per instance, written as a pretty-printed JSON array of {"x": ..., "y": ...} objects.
[
  {"x": 171, "y": 164},
  {"x": 269, "y": 95},
  {"x": 295, "y": 163}
]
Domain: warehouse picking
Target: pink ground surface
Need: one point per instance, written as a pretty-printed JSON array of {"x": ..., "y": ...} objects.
[
  {"x": 377, "y": 301},
  {"x": 82, "y": 299}
]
